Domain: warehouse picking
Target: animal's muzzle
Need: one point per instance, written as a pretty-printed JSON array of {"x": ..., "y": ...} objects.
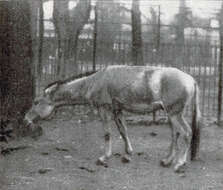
[
  {"x": 27, "y": 122},
  {"x": 30, "y": 119}
]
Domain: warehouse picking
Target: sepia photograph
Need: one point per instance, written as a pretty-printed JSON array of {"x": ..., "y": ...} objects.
[{"x": 111, "y": 94}]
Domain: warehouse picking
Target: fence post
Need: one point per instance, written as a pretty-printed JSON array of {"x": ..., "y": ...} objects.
[
  {"x": 220, "y": 69},
  {"x": 95, "y": 37},
  {"x": 41, "y": 36}
]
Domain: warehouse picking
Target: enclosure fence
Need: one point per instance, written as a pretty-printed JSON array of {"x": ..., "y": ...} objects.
[
  {"x": 197, "y": 60},
  {"x": 200, "y": 58}
]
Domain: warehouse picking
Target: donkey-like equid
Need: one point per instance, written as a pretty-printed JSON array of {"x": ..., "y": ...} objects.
[{"x": 139, "y": 89}]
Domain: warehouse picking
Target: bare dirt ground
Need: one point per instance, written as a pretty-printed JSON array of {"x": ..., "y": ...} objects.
[{"x": 63, "y": 158}]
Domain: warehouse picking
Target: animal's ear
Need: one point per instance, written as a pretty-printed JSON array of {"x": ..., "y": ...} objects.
[{"x": 51, "y": 88}]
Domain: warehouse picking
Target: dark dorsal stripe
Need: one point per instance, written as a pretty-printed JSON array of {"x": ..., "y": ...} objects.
[{"x": 59, "y": 82}]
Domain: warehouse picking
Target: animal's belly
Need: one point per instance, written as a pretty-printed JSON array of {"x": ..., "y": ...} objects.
[{"x": 143, "y": 107}]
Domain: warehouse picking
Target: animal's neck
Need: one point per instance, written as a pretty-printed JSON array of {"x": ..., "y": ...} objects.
[
  {"x": 72, "y": 92},
  {"x": 78, "y": 87}
]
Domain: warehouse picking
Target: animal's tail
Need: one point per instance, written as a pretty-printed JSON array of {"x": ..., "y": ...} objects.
[{"x": 196, "y": 124}]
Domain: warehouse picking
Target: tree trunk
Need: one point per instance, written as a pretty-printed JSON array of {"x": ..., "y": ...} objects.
[
  {"x": 137, "y": 51},
  {"x": 95, "y": 38},
  {"x": 79, "y": 18},
  {"x": 16, "y": 84},
  {"x": 34, "y": 5},
  {"x": 61, "y": 22},
  {"x": 220, "y": 81},
  {"x": 68, "y": 27},
  {"x": 180, "y": 34}
]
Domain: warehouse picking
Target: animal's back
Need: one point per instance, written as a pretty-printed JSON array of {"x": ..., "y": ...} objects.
[
  {"x": 138, "y": 86},
  {"x": 123, "y": 75},
  {"x": 129, "y": 84}
]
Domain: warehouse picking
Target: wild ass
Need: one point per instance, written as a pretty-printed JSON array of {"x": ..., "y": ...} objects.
[{"x": 139, "y": 89}]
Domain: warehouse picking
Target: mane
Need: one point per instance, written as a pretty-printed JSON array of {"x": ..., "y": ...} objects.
[{"x": 59, "y": 82}]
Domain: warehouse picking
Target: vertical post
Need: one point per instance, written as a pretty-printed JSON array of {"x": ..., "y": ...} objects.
[
  {"x": 137, "y": 44},
  {"x": 158, "y": 29},
  {"x": 41, "y": 30},
  {"x": 220, "y": 69},
  {"x": 157, "y": 50},
  {"x": 95, "y": 37},
  {"x": 179, "y": 62},
  {"x": 154, "y": 116},
  {"x": 34, "y": 19}
]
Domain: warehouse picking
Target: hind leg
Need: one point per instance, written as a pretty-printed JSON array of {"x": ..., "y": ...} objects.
[
  {"x": 185, "y": 141},
  {"x": 121, "y": 124},
  {"x": 106, "y": 117},
  {"x": 173, "y": 146}
]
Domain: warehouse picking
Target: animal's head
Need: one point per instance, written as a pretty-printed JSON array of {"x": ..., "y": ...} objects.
[
  {"x": 43, "y": 106},
  {"x": 56, "y": 94}
]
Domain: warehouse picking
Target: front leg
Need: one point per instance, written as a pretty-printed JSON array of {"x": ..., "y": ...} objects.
[{"x": 106, "y": 117}]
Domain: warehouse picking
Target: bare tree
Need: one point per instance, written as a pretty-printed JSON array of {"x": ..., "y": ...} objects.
[
  {"x": 220, "y": 82},
  {"x": 182, "y": 21},
  {"x": 34, "y": 6},
  {"x": 61, "y": 23},
  {"x": 137, "y": 51},
  {"x": 79, "y": 17},
  {"x": 109, "y": 27},
  {"x": 68, "y": 25},
  {"x": 154, "y": 23},
  {"x": 41, "y": 36}
]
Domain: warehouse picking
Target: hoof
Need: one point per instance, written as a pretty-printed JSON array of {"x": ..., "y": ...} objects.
[
  {"x": 126, "y": 159},
  {"x": 37, "y": 132},
  {"x": 165, "y": 164},
  {"x": 180, "y": 168},
  {"x": 129, "y": 151},
  {"x": 100, "y": 162},
  {"x": 117, "y": 155}
]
